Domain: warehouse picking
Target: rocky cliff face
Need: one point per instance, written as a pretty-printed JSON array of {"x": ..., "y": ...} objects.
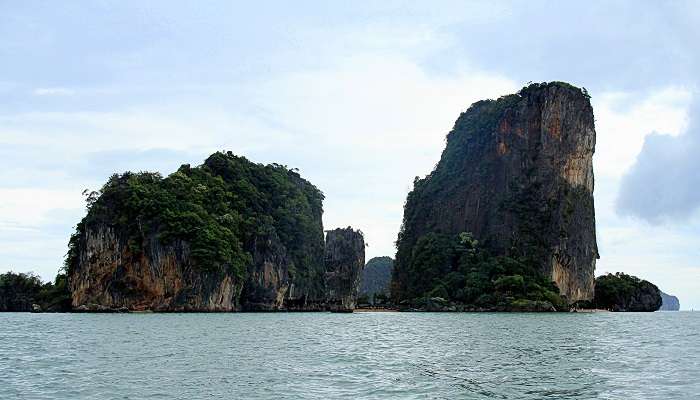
[
  {"x": 517, "y": 173},
  {"x": 669, "y": 303},
  {"x": 227, "y": 235},
  {"x": 344, "y": 261},
  {"x": 109, "y": 276},
  {"x": 162, "y": 277},
  {"x": 272, "y": 284}
]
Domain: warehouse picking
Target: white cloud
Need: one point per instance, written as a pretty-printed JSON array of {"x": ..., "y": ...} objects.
[
  {"x": 623, "y": 121},
  {"x": 27, "y": 208},
  {"x": 349, "y": 101},
  {"x": 360, "y": 130},
  {"x": 53, "y": 91},
  {"x": 376, "y": 122}
]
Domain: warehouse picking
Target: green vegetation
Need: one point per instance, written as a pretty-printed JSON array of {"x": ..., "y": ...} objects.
[
  {"x": 457, "y": 269},
  {"x": 19, "y": 292},
  {"x": 219, "y": 208},
  {"x": 622, "y": 292}
]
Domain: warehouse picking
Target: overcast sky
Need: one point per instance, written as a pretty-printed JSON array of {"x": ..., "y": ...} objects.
[{"x": 358, "y": 95}]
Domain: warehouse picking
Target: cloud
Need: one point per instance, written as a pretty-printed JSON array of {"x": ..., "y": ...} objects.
[
  {"x": 664, "y": 183},
  {"x": 53, "y": 91},
  {"x": 360, "y": 129},
  {"x": 365, "y": 127},
  {"x": 625, "y": 118},
  {"x": 358, "y": 97},
  {"x": 602, "y": 45}
]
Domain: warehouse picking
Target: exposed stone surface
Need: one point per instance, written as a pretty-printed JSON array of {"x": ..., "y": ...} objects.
[
  {"x": 669, "y": 303},
  {"x": 517, "y": 172},
  {"x": 226, "y": 235},
  {"x": 344, "y": 261},
  {"x": 270, "y": 286},
  {"x": 111, "y": 279},
  {"x": 161, "y": 278}
]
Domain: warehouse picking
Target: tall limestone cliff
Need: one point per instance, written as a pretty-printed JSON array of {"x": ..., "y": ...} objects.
[
  {"x": 227, "y": 235},
  {"x": 344, "y": 261},
  {"x": 516, "y": 173},
  {"x": 110, "y": 274}
]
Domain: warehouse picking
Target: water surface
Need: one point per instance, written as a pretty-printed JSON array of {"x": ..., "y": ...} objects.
[{"x": 361, "y": 355}]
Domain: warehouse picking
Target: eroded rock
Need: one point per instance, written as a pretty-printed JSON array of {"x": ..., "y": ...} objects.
[{"x": 344, "y": 261}]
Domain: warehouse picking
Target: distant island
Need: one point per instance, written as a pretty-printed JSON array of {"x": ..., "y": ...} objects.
[
  {"x": 669, "y": 303},
  {"x": 375, "y": 286},
  {"x": 504, "y": 222},
  {"x": 622, "y": 292}
]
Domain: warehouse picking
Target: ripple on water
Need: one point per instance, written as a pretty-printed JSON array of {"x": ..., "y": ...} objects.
[{"x": 363, "y": 355}]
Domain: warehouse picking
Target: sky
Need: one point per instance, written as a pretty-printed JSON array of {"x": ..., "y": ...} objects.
[{"x": 358, "y": 95}]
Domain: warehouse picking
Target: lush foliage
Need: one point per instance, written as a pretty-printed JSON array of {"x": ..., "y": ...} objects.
[
  {"x": 19, "y": 292},
  {"x": 219, "y": 208},
  {"x": 456, "y": 268},
  {"x": 622, "y": 292}
]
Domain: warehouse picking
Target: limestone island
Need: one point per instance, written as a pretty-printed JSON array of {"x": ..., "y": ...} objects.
[{"x": 504, "y": 222}]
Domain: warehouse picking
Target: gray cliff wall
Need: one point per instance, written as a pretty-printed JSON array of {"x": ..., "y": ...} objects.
[
  {"x": 344, "y": 261},
  {"x": 160, "y": 278},
  {"x": 274, "y": 283}
]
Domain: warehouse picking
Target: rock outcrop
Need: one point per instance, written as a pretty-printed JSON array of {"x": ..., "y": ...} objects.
[
  {"x": 669, "y": 303},
  {"x": 162, "y": 277},
  {"x": 229, "y": 235},
  {"x": 224, "y": 236},
  {"x": 272, "y": 285},
  {"x": 516, "y": 173},
  {"x": 622, "y": 292},
  {"x": 344, "y": 261},
  {"x": 376, "y": 277}
]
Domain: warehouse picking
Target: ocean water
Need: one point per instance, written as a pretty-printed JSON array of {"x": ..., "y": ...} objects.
[{"x": 355, "y": 356}]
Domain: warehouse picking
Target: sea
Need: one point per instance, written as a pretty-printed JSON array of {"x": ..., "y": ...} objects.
[{"x": 364, "y": 355}]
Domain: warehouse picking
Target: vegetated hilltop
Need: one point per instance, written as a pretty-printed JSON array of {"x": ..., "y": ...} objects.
[
  {"x": 226, "y": 235},
  {"x": 622, "y": 292},
  {"x": 506, "y": 218}
]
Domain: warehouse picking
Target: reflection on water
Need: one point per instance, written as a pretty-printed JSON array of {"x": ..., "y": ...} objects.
[{"x": 361, "y": 355}]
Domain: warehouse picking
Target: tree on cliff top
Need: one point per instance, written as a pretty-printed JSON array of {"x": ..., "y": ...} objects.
[
  {"x": 622, "y": 292},
  {"x": 219, "y": 208}
]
